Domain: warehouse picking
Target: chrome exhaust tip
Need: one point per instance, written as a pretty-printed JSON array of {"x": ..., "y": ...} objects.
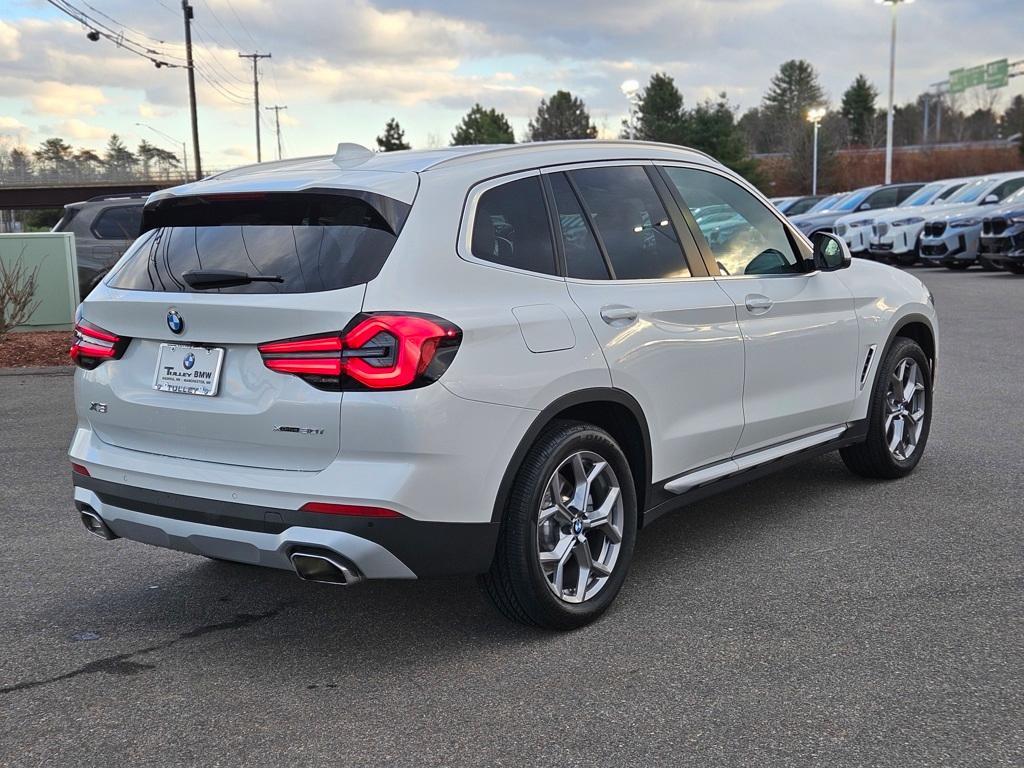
[
  {"x": 94, "y": 524},
  {"x": 324, "y": 568}
]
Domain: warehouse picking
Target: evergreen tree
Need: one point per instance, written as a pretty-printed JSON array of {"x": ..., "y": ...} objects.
[
  {"x": 794, "y": 89},
  {"x": 660, "y": 114},
  {"x": 118, "y": 158},
  {"x": 713, "y": 129},
  {"x": 1012, "y": 122},
  {"x": 21, "y": 164},
  {"x": 55, "y": 153},
  {"x": 563, "y": 117},
  {"x": 483, "y": 126},
  {"x": 393, "y": 138},
  {"x": 146, "y": 153},
  {"x": 858, "y": 108},
  {"x": 87, "y": 162}
]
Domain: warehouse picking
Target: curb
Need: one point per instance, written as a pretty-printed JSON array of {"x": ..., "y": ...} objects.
[{"x": 50, "y": 370}]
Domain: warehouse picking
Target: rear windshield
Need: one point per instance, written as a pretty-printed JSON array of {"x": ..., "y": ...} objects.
[{"x": 296, "y": 242}]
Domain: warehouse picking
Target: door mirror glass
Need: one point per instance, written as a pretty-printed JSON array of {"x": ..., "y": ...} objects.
[{"x": 830, "y": 252}]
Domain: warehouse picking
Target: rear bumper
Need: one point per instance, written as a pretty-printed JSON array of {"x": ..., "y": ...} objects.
[{"x": 389, "y": 548}]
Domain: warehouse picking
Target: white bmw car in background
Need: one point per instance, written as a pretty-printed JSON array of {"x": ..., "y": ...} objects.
[
  {"x": 487, "y": 360},
  {"x": 856, "y": 228},
  {"x": 950, "y": 236},
  {"x": 893, "y": 234}
]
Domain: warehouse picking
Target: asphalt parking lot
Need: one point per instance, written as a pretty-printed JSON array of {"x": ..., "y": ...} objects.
[{"x": 810, "y": 618}]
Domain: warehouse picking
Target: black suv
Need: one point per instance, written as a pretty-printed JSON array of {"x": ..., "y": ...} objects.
[{"x": 103, "y": 227}]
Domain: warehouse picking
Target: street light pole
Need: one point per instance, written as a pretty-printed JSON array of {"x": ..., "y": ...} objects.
[
  {"x": 815, "y": 116},
  {"x": 892, "y": 88}
]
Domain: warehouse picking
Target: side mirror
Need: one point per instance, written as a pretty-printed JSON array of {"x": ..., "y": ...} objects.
[
  {"x": 830, "y": 252},
  {"x": 864, "y": 207},
  {"x": 990, "y": 200}
]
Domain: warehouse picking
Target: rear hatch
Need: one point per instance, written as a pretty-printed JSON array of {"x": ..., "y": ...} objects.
[{"x": 211, "y": 278}]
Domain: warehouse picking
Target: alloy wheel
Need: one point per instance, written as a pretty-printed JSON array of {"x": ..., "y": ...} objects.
[
  {"x": 905, "y": 404},
  {"x": 579, "y": 527}
]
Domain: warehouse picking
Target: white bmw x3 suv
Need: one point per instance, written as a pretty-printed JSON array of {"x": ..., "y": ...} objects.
[{"x": 498, "y": 361}]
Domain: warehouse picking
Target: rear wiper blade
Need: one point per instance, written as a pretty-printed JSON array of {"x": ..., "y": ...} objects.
[{"x": 225, "y": 278}]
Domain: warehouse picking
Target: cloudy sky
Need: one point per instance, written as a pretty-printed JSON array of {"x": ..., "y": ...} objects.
[{"x": 343, "y": 67}]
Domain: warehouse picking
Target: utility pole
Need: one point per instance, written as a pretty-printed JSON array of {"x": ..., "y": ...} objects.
[
  {"x": 277, "y": 125},
  {"x": 256, "y": 94},
  {"x": 187, "y": 10}
]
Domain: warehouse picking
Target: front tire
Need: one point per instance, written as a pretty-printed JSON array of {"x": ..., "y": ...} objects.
[
  {"x": 899, "y": 415},
  {"x": 568, "y": 530},
  {"x": 906, "y": 259}
]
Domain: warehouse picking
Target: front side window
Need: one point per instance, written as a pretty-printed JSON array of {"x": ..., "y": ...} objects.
[
  {"x": 118, "y": 223},
  {"x": 512, "y": 228},
  {"x": 1007, "y": 188},
  {"x": 744, "y": 236},
  {"x": 632, "y": 223}
]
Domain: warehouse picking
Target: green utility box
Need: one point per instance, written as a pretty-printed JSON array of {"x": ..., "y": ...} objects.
[{"x": 56, "y": 281}]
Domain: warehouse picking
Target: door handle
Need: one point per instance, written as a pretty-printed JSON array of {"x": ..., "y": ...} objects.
[
  {"x": 617, "y": 314},
  {"x": 757, "y": 304}
]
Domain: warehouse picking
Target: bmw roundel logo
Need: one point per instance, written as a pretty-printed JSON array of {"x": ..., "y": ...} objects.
[
  {"x": 577, "y": 526},
  {"x": 189, "y": 361},
  {"x": 175, "y": 321}
]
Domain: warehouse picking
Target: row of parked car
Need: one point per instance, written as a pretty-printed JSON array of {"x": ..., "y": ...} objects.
[{"x": 953, "y": 223}]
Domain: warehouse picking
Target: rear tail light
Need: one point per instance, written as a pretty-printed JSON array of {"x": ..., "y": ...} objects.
[
  {"x": 377, "y": 351},
  {"x": 92, "y": 345},
  {"x": 80, "y": 469}
]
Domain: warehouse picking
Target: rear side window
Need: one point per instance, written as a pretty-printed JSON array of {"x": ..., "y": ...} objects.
[
  {"x": 512, "y": 227},
  {"x": 121, "y": 223},
  {"x": 296, "y": 242},
  {"x": 632, "y": 223},
  {"x": 802, "y": 206},
  {"x": 583, "y": 257}
]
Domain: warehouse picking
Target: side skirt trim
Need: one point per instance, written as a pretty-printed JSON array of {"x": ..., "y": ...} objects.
[{"x": 702, "y": 483}]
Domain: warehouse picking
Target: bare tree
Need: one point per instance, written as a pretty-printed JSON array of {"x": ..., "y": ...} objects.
[{"x": 18, "y": 286}]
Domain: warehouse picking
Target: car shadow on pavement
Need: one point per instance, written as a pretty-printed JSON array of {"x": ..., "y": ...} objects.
[{"x": 249, "y": 615}]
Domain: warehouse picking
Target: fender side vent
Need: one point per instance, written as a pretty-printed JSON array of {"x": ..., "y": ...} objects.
[{"x": 867, "y": 364}]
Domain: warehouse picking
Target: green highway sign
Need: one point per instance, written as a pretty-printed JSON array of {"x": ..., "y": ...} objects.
[{"x": 995, "y": 74}]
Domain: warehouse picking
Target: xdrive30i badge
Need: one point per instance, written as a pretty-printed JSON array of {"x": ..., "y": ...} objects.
[{"x": 299, "y": 430}]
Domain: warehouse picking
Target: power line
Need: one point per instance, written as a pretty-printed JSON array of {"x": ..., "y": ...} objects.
[
  {"x": 98, "y": 29},
  {"x": 241, "y": 23}
]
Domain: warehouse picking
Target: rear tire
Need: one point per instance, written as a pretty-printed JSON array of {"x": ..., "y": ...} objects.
[
  {"x": 987, "y": 265},
  {"x": 899, "y": 415},
  {"x": 556, "y": 565}
]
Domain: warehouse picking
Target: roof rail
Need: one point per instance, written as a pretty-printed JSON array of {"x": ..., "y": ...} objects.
[
  {"x": 500, "y": 148},
  {"x": 120, "y": 196}
]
